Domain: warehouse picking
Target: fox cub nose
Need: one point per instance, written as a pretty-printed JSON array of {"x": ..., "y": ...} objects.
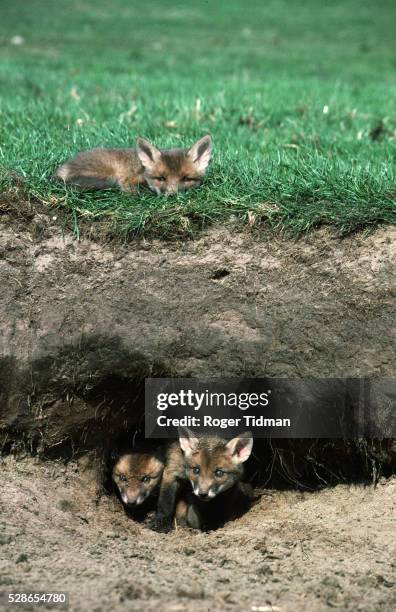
[{"x": 204, "y": 495}]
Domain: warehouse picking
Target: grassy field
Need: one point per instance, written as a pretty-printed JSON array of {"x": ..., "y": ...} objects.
[{"x": 299, "y": 97}]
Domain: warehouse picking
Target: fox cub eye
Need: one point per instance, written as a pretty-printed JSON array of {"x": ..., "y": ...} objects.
[
  {"x": 161, "y": 179},
  {"x": 219, "y": 473},
  {"x": 196, "y": 470},
  {"x": 188, "y": 178},
  {"x": 145, "y": 478},
  {"x": 123, "y": 477}
]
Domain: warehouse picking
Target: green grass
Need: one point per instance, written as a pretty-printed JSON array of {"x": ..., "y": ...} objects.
[{"x": 259, "y": 76}]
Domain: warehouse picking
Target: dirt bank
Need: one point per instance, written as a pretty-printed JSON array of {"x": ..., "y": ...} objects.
[
  {"x": 83, "y": 323},
  {"x": 291, "y": 551}
]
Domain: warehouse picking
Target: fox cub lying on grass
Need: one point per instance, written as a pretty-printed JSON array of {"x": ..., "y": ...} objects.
[
  {"x": 187, "y": 474},
  {"x": 166, "y": 171}
]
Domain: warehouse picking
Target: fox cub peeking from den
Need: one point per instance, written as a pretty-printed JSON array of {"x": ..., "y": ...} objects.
[
  {"x": 198, "y": 480},
  {"x": 164, "y": 171},
  {"x": 214, "y": 468},
  {"x": 137, "y": 475}
]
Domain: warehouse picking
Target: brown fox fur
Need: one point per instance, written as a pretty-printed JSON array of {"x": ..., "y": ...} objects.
[
  {"x": 212, "y": 466},
  {"x": 137, "y": 475},
  {"x": 165, "y": 172}
]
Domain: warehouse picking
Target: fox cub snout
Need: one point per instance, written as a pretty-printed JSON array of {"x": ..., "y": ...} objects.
[
  {"x": 137, "y": 475},
  {"x": 164, "y": 171},
  {"x": 214, "y": 466}
]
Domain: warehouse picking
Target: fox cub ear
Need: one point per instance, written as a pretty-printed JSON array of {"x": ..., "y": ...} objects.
[
  {"x": 148, "y": 154},
  {"x": 187, "y": 440},
  {"x": 201, "y": 152},
  {"x": 241, "y": 447}
]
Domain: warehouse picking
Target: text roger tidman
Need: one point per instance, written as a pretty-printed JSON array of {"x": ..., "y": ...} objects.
[
  {"x": 209, "y": 421},
  {"x": 196, "y": 401}
]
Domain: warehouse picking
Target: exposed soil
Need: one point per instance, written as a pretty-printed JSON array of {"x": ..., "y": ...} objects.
[
  {"x": 291, "y": 551},
  {"x": 315, "y": 306},
  {"x": 84, "y": 322}
]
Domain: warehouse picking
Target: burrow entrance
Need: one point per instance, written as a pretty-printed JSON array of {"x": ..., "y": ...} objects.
[{"x": 88, "y": 400}]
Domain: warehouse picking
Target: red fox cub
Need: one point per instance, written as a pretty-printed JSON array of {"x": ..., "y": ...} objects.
[
  {"x": 164, "y": 171},
  {"x": 213, "y": 466},
  {"x": 137, "y": 476}
]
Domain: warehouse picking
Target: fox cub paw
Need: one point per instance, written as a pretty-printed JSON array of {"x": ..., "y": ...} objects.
[{"x": 162, "y": 524}]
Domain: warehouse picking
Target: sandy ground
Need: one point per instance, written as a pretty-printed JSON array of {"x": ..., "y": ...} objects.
[{"x": 292, "y": 551}]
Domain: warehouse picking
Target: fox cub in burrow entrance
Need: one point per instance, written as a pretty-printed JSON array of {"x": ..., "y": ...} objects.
[
  {"x": 137, "y": 475},
  {"x": 214, "y": 468},
  {"x": 164, "y": 171}
]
